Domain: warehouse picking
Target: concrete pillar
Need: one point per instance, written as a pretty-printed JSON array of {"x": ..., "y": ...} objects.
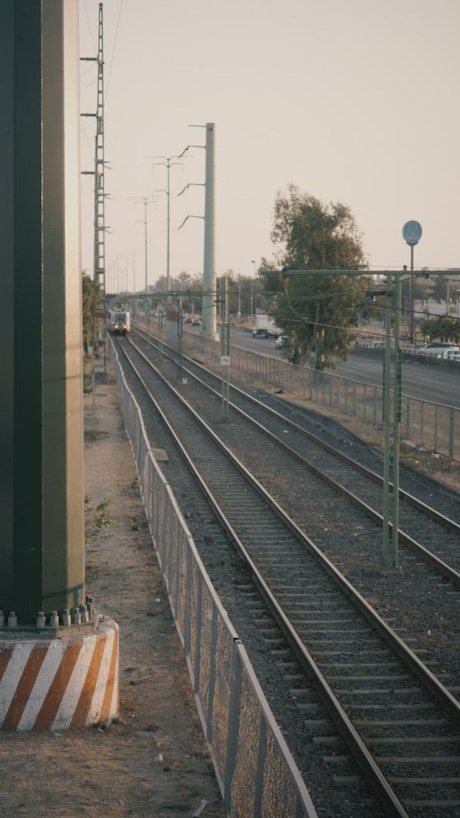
[
  {"x": 42, "y": 559},
  {"x": 41, "y": 390}
]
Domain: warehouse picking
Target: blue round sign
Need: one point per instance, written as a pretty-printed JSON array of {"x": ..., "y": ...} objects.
[{"x": 412, "y": 232}]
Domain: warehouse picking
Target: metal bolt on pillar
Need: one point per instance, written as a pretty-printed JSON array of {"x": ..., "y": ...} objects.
[
  {"x": 12, "y": 620},
  {"x": 41, "y": 619},
  {"x": 91, "y": 608},
  {"x": 65, "y": 617},
  {"x": 75, "y": 617}
]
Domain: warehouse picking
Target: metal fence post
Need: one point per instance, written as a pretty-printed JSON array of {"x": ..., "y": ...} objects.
[
  {"x": 261, "y": 754},
  {"x": 212, "y": 673},
  {"x": 233, "y": 720},
  {"x": 451, "y": 432},
  {"x": 199, "y": 627}
]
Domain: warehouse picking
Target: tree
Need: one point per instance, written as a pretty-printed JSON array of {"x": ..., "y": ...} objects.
[
  {"x": 316, "y": 312},
  {"x": 441, "y": 328},
  {"x": 91, "y": 301},
  {"x": 243, "y": 292},
  {"x": 186, "y": 287},
  {"x": 87, "y": 308}
]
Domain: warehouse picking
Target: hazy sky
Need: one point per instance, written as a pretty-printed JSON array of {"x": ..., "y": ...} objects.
[{"x": 353, "y": 101}]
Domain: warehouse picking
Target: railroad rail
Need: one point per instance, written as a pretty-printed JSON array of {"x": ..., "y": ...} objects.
[
  {"x": 337, "y": 468},
  {"x": 359, "y": 662}
]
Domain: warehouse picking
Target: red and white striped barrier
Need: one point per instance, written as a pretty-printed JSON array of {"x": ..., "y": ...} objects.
[{"x": 62, "y": 683}]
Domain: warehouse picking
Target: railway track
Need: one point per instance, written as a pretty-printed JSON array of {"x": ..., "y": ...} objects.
[
  {"x": 337, "y": 468},
  {"x": 377, "y": 700}
]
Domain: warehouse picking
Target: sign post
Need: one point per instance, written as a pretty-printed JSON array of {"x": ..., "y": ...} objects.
[{"x": 412, "y": 233}]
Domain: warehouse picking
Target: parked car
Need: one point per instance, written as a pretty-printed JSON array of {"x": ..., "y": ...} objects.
[
  {"x": 196, "y": 322},
  {"x": 438, "y": 349},
  {"x": 260, "y": 333},
  {"x": 451, "y": 354}
]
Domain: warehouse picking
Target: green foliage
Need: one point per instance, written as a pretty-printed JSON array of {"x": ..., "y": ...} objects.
[
  {"x": 91, "y": 301},
  {"x": 190, "y": 287},
  {"x": 314, "y": 236},
  {"x": 316, "y": 312},
  {"x": 244, "y": 293},
  {"x": 440, "y": 288},
  {"x": 96, "y": 518},
  {"x": 441, "y": 328}
]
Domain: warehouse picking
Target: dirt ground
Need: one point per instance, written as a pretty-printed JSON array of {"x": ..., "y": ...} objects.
[{"x": 153, "y": 761}]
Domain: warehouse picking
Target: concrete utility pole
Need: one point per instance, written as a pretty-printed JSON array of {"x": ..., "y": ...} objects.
[
  {"x": 225, "y": 354},
  {"x": 47, "y": 620},
  {"x": 168, "y": 165},
  {"x": 209, "y": 322},
  {"x": 209, "y": 276},
  {"x": 146, "y": 285},
  {"x": 146, "y": 200}
]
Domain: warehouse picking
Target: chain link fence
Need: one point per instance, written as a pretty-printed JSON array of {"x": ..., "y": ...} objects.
[
  {"x": 255, "y": 770},
  {"x": 426, "y": 424}
]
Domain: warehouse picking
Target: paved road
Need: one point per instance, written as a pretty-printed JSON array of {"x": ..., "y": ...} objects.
[
  {"x": 430, "y": 381},
  {"x": 437, "y": 381}
]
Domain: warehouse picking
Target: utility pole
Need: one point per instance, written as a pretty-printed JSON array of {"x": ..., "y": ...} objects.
[
  {"x": 209, "y": 275},
  {"x": 99, "y": 181},
  {"x": 168, "y": 165},
  {"x": 146, "y": 200},
  {"x": 180, "y": 323},
  {"x": 392, "y": 383},
  {"x": 225, "y": 356},
  {"x": 412, "y": 233},
  {"x": 146, "y": 287}
]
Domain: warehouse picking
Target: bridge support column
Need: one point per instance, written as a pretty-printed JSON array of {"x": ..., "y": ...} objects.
[{"x": 44, "y": 644}]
